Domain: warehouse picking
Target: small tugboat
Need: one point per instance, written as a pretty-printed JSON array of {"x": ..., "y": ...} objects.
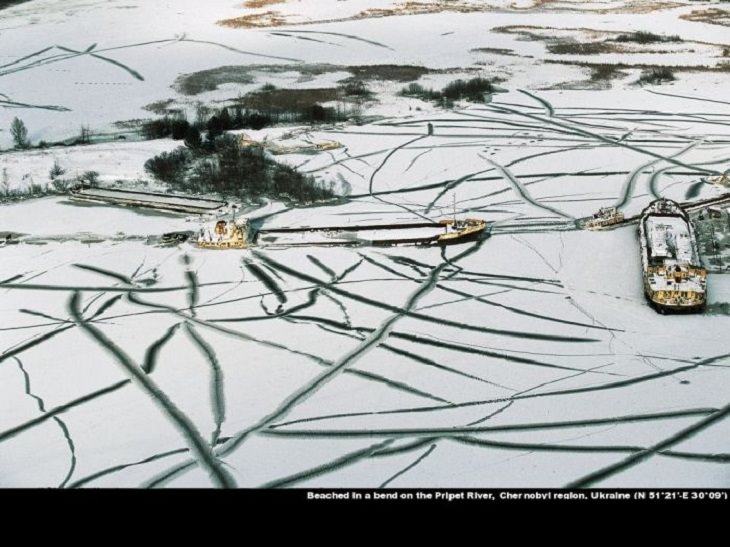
[
  {"x": 670, "y": 260},
  {"x": 229, "y": 234},
  {"x": 606, "y": 216},
  {"x": 461, "y": 231}
]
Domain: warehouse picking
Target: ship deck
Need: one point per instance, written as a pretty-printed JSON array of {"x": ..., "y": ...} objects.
[
  {"x": 672, "y": 255},
  {"x": 658, "y": 282},
  {"x": 670, "y": 239}
]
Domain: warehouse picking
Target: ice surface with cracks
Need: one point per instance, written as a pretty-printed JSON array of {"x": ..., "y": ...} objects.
[{"x": 526, "y": 359}]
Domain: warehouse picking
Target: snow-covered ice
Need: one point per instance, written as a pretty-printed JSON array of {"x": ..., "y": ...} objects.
[{"x": 527, "y": 359}]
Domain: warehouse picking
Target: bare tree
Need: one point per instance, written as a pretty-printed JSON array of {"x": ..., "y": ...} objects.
[
  {"x": 19, "y": 133},
  {"x": 85, "y": 136},
  {"x": 202, "y": 113}
]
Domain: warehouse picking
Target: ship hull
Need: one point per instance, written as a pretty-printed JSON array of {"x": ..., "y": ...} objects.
[
  {"x": 220, "y": 246},
  {"x": 667, "y": 308}
]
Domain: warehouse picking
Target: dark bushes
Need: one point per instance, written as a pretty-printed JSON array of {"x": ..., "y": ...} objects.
[
  {"x": 470, "y": 90},
  {"x": 166, "y": 127},
  {"x": 356, "y": 88},
  {"x": 656, "y": 75},
  {"x": 301, "y": 105},
  {"x": 644, "y": 37},
  {"x": 580, "y": 48},
  {"x": 417, "y": 90},
  {"x": 169, "y": 166},
  {"x": 178, "y": 128},
  {"x": 228, "y": 168}
]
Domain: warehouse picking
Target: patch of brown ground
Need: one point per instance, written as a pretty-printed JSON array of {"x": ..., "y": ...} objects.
[
  {"x": 713, "y": 16},
  {"x": 494, "y": 51},
  {"x": 420, "y": 8},
  {"x": 159, "y": 107},
  {"x": 412, "y": 7},
  {"x": 209, "y": 80},
  {"x": 629, "y": 6},
  {"x": 719, "y": 67},
  {"x": 275, "y": 19},
  {"x": 255, "y": 20},
  {"x": 587, "y": 41},
  {"x": 393, "y": 73},
  {"x": 254, "y": 4},
  {"x": 287, "y": 99}
]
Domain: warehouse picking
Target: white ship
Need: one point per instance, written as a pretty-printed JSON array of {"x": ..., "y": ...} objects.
[{"x": 670, "y": 260}]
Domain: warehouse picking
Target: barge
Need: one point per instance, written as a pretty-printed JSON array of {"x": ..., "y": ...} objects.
[{"x": 420, "y": 234}]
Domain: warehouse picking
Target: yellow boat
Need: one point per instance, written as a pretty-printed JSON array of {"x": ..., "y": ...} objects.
[
  {"x": 225, "y": 235},
  {"x": 459, "y": 231}
]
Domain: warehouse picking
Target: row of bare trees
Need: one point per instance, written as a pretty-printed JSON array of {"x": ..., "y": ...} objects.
[{"x": 19, "y": 133}]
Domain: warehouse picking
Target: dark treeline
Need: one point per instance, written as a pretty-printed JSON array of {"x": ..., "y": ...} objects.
[
  {"x": 179, "y": 128},
  {"x": 265, "y": 107}
]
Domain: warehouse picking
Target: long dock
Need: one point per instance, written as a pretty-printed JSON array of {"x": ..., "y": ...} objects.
[{"x": 151, "y": 200}]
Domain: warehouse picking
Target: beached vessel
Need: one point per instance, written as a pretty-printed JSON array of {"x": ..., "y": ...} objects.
[
  {"x": 673, "y": 278},
  {"x": 444, "y": 232}
]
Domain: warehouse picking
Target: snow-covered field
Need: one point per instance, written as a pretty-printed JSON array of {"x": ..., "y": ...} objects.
[{"x": 527, "y": 359}]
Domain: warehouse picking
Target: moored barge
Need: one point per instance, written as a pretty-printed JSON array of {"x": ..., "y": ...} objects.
[{"x": 674, "y": 280}]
